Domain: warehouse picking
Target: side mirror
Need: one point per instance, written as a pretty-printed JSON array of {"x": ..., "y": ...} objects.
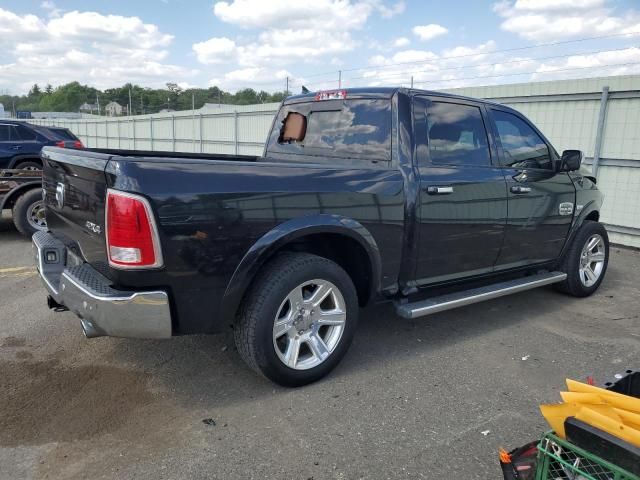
[{"x": 571, "y": 160}]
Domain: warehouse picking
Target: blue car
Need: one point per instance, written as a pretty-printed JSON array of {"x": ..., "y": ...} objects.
[{"x": 21, "y": 142}]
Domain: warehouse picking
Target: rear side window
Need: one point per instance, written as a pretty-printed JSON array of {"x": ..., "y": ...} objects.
[
  {"x": 24, "y": 133},
  {"x": 457, "y": 135},
  {"x": 522, "y": 146},
  {"x": 359, "y": 129},
  {"x": 4, "y": 133}
]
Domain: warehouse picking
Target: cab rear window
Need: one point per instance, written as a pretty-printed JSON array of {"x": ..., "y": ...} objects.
[{"x": 359, "y": 129}]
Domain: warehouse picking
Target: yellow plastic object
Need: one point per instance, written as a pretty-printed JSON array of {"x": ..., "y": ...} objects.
[
  {"x": 579, "y": 397},
  {"x": 629, "y": 418},
  {"x": 557, "y": 414},
  {"x": 609, "y": 425},
  {"x": 618, "y": 400}
]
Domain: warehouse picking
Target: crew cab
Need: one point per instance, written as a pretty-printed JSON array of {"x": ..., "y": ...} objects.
[{"x": 428, "y": 200}]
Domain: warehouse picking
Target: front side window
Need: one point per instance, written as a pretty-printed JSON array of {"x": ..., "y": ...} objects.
[
  {"x": 522, "y": 146},
  {"x": 358, "y": 129},
  {"x": 457, "y": 135}
]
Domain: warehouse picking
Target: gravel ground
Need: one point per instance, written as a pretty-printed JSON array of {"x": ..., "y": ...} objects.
[{"x": 431, "y": 398}]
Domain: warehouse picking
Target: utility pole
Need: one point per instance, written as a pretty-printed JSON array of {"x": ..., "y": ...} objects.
[
  {"x": 286, "y": 88},
  {"x": 98, "y": 102},
  {"x": 130, "y": 104},
  {"x": 141, "y": 104},
  {"x": 339, "y": 78},
  {"x": 411, "y": 81}
]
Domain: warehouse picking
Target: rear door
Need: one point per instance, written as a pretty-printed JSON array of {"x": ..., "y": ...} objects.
[
  {"x": 9, "y": 144},
  {"x": 462, "y": 207},
  {"x": 541, "y": 200},
  {"x": 28, "y": 141}
]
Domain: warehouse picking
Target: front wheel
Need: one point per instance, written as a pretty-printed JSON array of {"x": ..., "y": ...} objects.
[
  {"x": 586, "y": 260},
  {"x": 28, "y": 213},
  {"x": 298, "y": 320}
]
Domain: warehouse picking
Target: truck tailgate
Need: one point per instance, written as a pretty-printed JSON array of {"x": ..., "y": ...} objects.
[{"x": 75, "y": 187}]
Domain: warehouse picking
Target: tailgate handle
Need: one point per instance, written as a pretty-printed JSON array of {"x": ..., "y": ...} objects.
[{"x": 439, "y": 190}]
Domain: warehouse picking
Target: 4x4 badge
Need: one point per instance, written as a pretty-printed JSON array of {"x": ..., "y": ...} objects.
[{"x": 565, "y": 208}]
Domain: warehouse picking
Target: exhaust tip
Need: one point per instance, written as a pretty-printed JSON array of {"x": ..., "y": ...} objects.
[{"x": 90, "y": 331}]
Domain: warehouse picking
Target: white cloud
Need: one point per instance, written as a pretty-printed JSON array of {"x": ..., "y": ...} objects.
[
  {"x": 51, "y": 7},
  {"x": 215, "y": 50},
  {"x": 388, "y": 12},
  {"x": 102, "y": 50},
  {"x": 282, "y": 33},
  {"x": 401, "y": 42},
  {"x": 427, "y": 32},
  {"x": 327, "y": 14},
  {"x": 548, "y": 20}
]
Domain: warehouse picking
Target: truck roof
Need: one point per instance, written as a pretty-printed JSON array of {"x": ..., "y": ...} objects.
[{"x": 383, "y": 92}]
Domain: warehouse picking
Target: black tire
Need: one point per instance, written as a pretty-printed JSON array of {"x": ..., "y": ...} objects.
[
  {"x": 254, "y": 326},
  {"x": 29, "y": 165},
  {"x": 21, "y": 211},
  {"x": 571, "y": 263}
]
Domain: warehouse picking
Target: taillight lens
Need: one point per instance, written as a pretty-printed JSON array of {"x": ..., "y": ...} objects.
[
  {"x": 78, "y": 144},
  {"x": 60, "y": 144},
  {"x": 132, "y": 238}
]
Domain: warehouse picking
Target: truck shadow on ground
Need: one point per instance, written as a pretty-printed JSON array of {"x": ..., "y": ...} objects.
[{"x": 209, "y": 369}]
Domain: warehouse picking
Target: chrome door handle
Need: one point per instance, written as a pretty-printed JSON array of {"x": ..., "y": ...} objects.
[
  {"x": 439, "y": 190},
  {"x": 520, "y": 189},
  {"x": 16, "y": 147}
]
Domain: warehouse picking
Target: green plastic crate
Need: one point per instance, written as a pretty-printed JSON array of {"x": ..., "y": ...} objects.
[{"x": 560, "y": 460}]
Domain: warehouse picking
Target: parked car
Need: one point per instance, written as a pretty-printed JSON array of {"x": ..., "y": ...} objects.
[
  {"x": 21, "y": 191},
  {"x": 428, "y": 200},
  {"x": 21, "y": 143}
]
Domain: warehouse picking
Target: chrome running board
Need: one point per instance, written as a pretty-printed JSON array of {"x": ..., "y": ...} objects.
[{"x": 475, "y": 295}]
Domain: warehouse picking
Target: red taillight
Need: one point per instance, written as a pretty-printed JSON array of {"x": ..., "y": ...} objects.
[
  {"x": 132, "y": 239},
  {"x": 78, "y": 144},
  {"x": 60, "y": 144}
]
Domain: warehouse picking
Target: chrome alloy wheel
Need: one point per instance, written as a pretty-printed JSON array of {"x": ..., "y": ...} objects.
[
  {"x": 36, "y": 217},
  {"x": 309, "y": 324},
  {"x": 592, "y": 260}
]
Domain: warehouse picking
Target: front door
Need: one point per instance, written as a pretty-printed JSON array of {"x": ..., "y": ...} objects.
[
  {"x": 462, "y": 208},
  {"x": 541, "y": 199}
]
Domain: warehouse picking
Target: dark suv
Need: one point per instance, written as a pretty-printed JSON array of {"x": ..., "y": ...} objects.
[{"x": 21, "y": 142}]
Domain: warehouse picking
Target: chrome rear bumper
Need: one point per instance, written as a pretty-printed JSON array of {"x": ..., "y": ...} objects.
[{"x": 103, "y": 310}]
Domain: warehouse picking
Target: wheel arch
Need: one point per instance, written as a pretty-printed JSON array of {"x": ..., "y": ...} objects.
[
  {"x": 10, "y": 198},
  {"x": 589, "y": 212},
  {"x": 24, "y": 158},
  {"x": 322, "y": 235}
]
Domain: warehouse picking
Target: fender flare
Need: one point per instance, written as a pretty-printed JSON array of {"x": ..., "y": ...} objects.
[
  {"x": 12, "y": 195},
  {"x": 285, "y": 233},
  {"x": 590, "y": 207}
]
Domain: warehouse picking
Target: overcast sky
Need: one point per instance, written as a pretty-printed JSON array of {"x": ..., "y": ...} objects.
[{"x": 259, "y": 43}]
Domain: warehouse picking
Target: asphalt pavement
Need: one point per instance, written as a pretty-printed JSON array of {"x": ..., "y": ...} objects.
[{"x": 431, "y": 398}]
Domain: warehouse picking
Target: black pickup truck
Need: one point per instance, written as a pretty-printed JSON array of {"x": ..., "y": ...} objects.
[{"x": 428, "y": 200}]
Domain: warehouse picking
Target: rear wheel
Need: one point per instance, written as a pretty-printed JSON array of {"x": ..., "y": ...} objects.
[
  {"x": 297, "y": 322},
  {"x": 586, "y": 260},
  {"x": 29, "y": 165},
  {"x": 28, "y": 213}
]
